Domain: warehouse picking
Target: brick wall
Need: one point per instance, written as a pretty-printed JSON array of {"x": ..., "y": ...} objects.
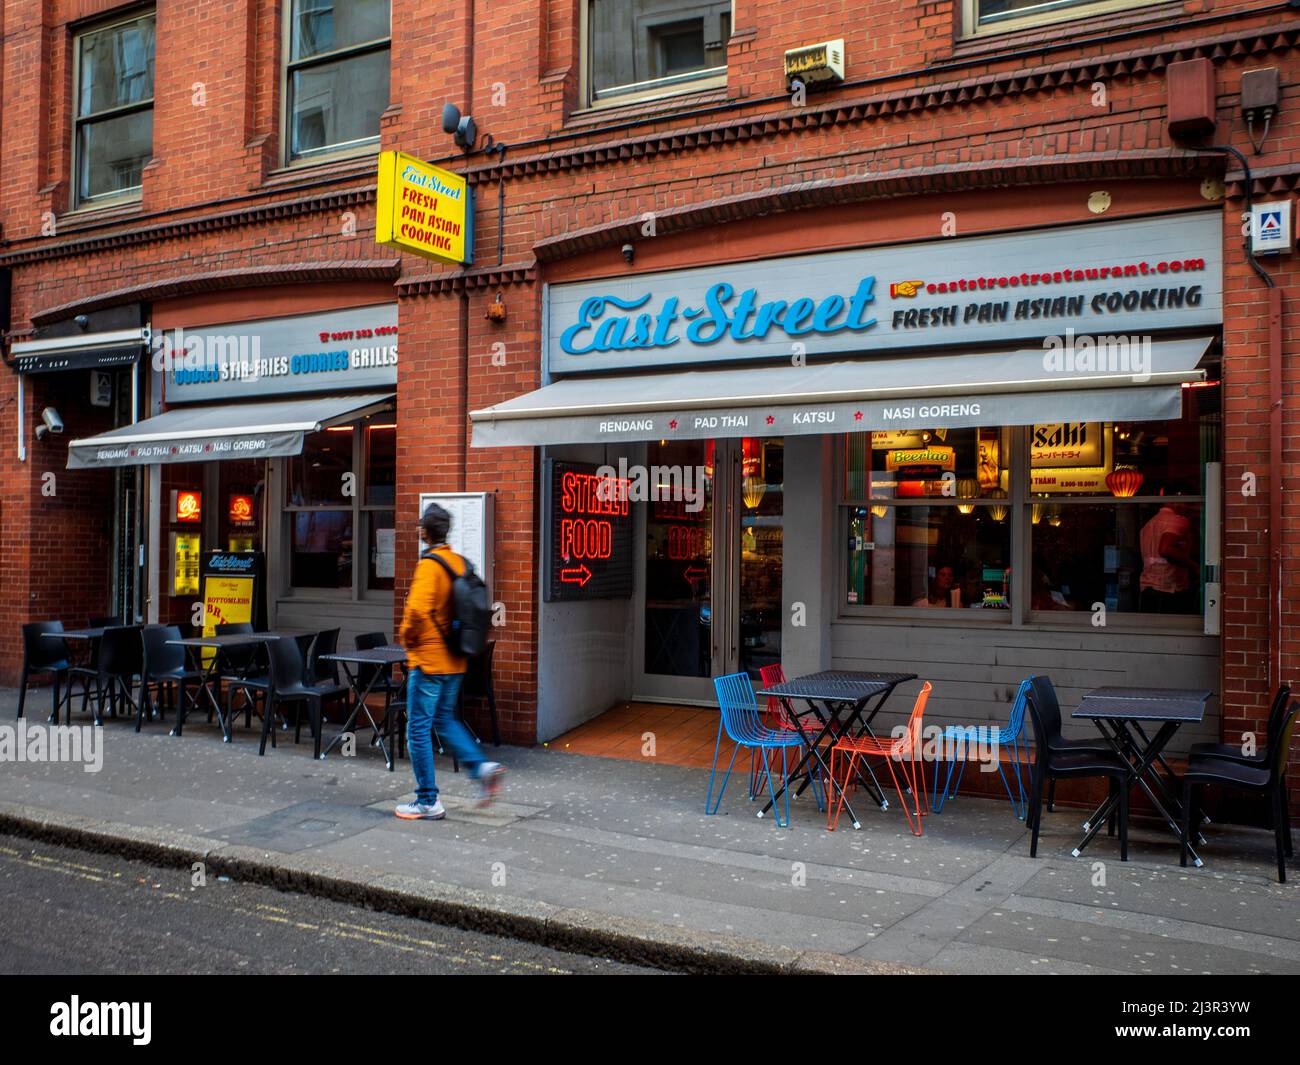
[{"x": 1007, "y": 131}]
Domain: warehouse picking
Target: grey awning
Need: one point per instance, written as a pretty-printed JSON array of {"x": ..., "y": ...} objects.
[
  {"x": 226, "y": 431},
  {"x": 106, "y": 350},
  {"x": 1021, "y": 387}
]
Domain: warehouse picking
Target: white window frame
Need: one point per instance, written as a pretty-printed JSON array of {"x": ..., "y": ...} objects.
[
  {"x": 363, "y": 146},
  {"x": 1045, "y": 13},
  {"x": 660, "y": 89},
  {"x": 132, "y": 194}
]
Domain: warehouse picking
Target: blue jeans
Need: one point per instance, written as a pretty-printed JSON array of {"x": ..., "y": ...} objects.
[{"x": 431, "y": 704}]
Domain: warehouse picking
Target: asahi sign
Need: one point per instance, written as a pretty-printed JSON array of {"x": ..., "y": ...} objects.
[
  {"x": 330, "y": 351},
  {"x": 1131, "y": 277}
]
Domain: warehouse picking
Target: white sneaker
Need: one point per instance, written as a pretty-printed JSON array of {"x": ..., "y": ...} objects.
[
  {"x": 417, "y": 811},
  {"x": 490, "y": 776}
]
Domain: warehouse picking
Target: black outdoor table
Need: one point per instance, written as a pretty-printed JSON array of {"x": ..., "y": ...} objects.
[
  {"x": 390, "y": 655},
  {"x": 217, "y": 644},
  {"x": 1119, "y": 714},
  {"x": 843, "y": 698}
]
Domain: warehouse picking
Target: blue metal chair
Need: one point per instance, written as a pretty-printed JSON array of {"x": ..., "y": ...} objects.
[
  {"x": 961, "y": 736},
  {"x": 743, "y": 726}
]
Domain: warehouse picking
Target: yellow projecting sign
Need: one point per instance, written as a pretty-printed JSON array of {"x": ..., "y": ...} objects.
[{"x": 424, "y": 209}]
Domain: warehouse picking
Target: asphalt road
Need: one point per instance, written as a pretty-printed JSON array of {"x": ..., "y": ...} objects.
[{"x": 66, "y": 911}]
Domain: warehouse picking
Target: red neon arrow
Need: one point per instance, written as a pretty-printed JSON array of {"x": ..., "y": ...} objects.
[
  {"x": 578, "y": 575},
  {"x": 695, "y": 573}
]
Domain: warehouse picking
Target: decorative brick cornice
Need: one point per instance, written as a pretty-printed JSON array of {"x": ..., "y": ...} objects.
[
  {"x": 254, "y": 214},
  {"x": 912, "y": 181},
  {"x": 224, "y": 280},
  {"x": 1264, "y": 181},
  {"x": 457, "y": 281},
  {"x": 1239, "y": 44}
]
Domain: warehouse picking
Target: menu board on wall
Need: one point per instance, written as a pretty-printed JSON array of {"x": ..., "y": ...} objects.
[
  {"x": 472, "y": 532},
  {"x": 589, "y": 534}
]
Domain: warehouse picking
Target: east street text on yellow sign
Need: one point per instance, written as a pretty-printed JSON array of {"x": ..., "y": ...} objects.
[{"x": 424, "y": 209}]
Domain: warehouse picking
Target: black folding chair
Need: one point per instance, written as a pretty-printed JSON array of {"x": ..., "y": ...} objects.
[
  {"x": 43, "y": 656},
  {"x": 117, "y": 667},
  {"x": 288, "y": 685},
  {"x": 165, "y": 670},
  {"x": 1268, "y": 779},
  {"x": 246, "y": 673},
  {"x": 1054, "y": 757}
]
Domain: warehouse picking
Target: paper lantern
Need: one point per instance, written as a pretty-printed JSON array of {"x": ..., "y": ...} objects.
[
  {"x": 752, "y": 489},
  {"x": 1124, "y": 481},
  {"x": 967, "y": 488}
]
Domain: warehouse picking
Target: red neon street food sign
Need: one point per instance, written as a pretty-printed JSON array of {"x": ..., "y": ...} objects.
[{"x": 591, "y": 534}]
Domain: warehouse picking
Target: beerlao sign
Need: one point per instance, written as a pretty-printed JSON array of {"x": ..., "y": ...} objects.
[{"x": 424, "y": 209}]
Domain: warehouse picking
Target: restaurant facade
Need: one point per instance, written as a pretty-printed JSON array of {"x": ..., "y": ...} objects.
[{"x": 915, "y": 372}]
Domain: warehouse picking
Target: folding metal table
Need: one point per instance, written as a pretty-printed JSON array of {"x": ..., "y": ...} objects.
[
  {"x": 843, "y": 698},
  {"x": 1119, "y": 714},
  {"x": 217, "y": 644},
  {"x": 379, "y": 657}
]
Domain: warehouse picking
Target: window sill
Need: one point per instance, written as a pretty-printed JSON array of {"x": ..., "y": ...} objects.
[
  {"x": 340, "y": 164},
  {"x": 1038, "y": 621},
  {"x": 993, "y": 41},
  {"x": 664, "y": 104},
  {"x": 98, "y": 213}
]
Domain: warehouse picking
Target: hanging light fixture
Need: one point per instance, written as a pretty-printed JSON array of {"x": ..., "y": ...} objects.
[
  {"x": 967, "y": 488},
  {"x": 998, "y": 511},
  {"x": 1038, "y": 511},
  {"x": 1054, "y": 516},
  {"x": 752, "y": 487},
  {"x": 879, "y": 510},
  {"x": 1124, "y": 481}
]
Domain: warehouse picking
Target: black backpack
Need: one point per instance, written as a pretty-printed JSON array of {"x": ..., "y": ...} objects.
[{"x": 471, "y": 613}]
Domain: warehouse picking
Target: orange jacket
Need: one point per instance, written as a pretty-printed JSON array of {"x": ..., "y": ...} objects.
[{"x": 430, "y": 594}]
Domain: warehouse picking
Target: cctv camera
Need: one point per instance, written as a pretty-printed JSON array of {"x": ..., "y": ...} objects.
[
  {"x": 82, "y": 321},
  {"x": 629, "y": 252},
  {"x": 51, "y": 422},
  {"x": 450, "y": 118}
]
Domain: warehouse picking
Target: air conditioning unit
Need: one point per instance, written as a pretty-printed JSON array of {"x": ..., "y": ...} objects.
[{"x": 817, "y": 65}]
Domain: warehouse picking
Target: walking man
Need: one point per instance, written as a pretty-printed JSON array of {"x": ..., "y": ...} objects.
[{"x": 436, "y": 673}]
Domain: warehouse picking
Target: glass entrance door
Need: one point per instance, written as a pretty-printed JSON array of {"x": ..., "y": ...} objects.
[{"x": 709, "y": 601}]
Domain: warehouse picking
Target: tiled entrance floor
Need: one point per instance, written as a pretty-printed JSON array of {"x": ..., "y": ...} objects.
[{"x": 682, "y": 735}]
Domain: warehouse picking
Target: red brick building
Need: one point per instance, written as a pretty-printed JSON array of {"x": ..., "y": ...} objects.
[{"x": 211, "y": 167}]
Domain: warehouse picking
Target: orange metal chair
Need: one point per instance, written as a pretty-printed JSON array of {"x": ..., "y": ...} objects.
[{"x": 906, "y": 750}]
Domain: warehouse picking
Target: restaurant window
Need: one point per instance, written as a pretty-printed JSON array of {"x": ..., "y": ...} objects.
[
  {"x": 336, "y": 75},
  {"x": 1002, "y": 16},
  {"x": 1114, "y": 516},
  {"x": 1117, "y": 512},
  {"x": 927, "y": 525},
  {"x": 339, "y": 496},
  {"x": 113, "y": 117},
  {"x": 643, "y": 48}
]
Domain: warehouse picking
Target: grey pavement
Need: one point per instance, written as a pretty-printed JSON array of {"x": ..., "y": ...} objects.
[{"x": 608, "y": 845}]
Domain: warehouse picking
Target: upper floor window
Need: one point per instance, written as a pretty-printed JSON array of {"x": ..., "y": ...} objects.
[
  {"x": 1003, "y": 16},
  {"x": 642, "y": 48},
  {"x": 113, "y": 120},
  {"x": 336, "y": 74}
]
